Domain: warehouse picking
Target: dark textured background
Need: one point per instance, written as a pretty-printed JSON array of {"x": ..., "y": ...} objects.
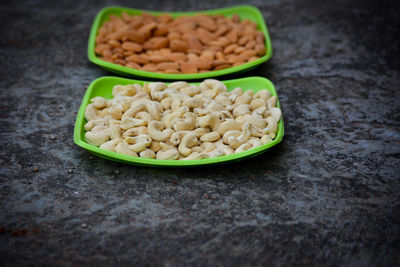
[{"x": 328, "y": 195}]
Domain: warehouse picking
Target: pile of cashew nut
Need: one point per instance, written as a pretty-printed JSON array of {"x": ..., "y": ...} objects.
[{"x": 181, "y": 121}]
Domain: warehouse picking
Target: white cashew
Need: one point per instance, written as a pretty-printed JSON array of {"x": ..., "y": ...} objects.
[
  {"x": 110, "y": 145},
  {"x": 210, "y": 137},
  {"x": 139, "y": 143},
  {"x": 99, "y": 102},
  {"x": 186, "y": 124},
  {"x": 188, "y": 140},
  {"x": 155, "y": 131},
  {"x": 263, "y": 94},
  {"x": 147, "y": 153},
  {"x": 123, "y": 148},
  {"x": 91, "y": 113}
]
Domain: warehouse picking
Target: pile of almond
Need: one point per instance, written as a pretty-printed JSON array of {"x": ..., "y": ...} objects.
[{"x": 196, "y": 44}]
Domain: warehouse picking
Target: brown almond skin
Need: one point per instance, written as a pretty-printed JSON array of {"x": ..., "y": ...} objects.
[
  {"x": 107, "y": 59},
  {"x": 230, "y": 48},
  {"x": 150, "y": 67},
  {"x": 164, "y": 18},
  {"x": 218, "y": 62},
  {"x": 205, "y": 36},
  {"x": 243, "y": 40},
  {"x": 232, "y": 36},
  {"x": 135, "y": 36},
  {"x": 141, "y": 59},
  {"x": 203, "y": 64},
  {"x": 167, "y": 65},
  {"x": 252, "y": 58},
  {"x": 250, "y": 45},
  {"x": 114, "y": 43},
  {"x": 208, "y": 55},
  {"x": 158, "y": 59},
  {"x": 172, "y": 71},
  {"x": 161, "y": 30},
  {"x": 222, "y": 29},
  {"x": 194, "y": 43},
  {"x": 107, "y": 53},
  {"x": 246, "y": 55},
  {"x": 178, "y": 46},
  {"x": 159, "y": 42},
  {"x": 260, "y": 49},
  {"x": 147, "y": 28},
  {"x": 132, "y": 65},
  {"x": 165, "y": 51},
  {"x": 131, "y": 46},
  {"x": 235, "y": 18},
  {"x": 238, "y": 63},
  {"x": 206, "y": 22},
  {"x": 188, "y": 67},
  {"x": 101, "y": 47},
  {"x": 177, "y": 57},
  {"x": 221, "y": 67},
  {"x": 239, "y": 50}
]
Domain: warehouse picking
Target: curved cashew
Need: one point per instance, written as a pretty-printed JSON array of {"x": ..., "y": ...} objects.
[
  {"x": 257, "y": 103},
  {"x": 212, "y": 84},
  {"x": 228, "y": 134},
  {"x": 256, "y": 132},
  {"x": 127, "y": 123},
  {"x": 154, "y": 108},
  {"x": 139, "y": 96},
  {"x": 224, "y": 99},
  {"x": 190, "y": 90},
  {"x": 98, "y": 135},
  {"x": 143, "y": 115},
  {"x": 186, "y": 124},
  {"x": 155, "y": 146},
  {"x": 154, "y": 129},
  {"x": 188, "y": 140},
  {"x": 207, "y": 147},
  {"x": 255, "y": 120},
  {"x": 272, "y": 127},
  {"x": 266, "y": 139},
  {"x": 176, "y": 137},
  {"x": 201, "y": 131},
  {"x": 91, "y": 113},
  {"x": 210, "y": 93},
  {"x": 167, "y": 119},
  {"x": 243, "y": 147},
  {"x": 170, "y": 154},
  {"x": 260, "y": 111},
  {"x": 195, "y": 155},
  {"x": 245, "y": 98},
  {"x": 276, "y": 113},
  {"x": 235, "y": 93},
  {"x": 147, "y": 153},
  {"x": 211, "y": 120},
  {"x": 124, "y": 90},
  {"x": 176, "y": 104},
  {"x": 178, "y": 85},
  {"x": 166, "y": 103},
  {"x": 96, "y": 122},
  {"x": 235, "y": 142},
  {"x": 136, "y": 107},
  {"x": 241, "y": 110},
  {"x": 123, "y": 148},
  {"x": 193, "y": 102},
  {"x": 99, "y": 102},
  {"x": 263, "y": 94},
  {"x": 139, "y": 143},
  {"x": 110, "y": 145},
  {"x": 155, "y": 89},
  {"x": 115, "y": 129},
  {"x": 227, "y": 149},
  {"x": 135, "y": 131},
  {"x": 116, "y": 111},
  {"x": 255, "y": 142},
  {"x": 218, "y": 152},
  {"x": 228, "y": 125},
  {"x": 210, "y": 137},
  {"x": 272, "y": 102},
  {"x": 215, "y": 106}
]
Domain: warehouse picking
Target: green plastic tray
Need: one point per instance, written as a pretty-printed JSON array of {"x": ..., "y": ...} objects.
[
  {"x": 244, "y": 12},
  {"x": 103, "y": 87}
]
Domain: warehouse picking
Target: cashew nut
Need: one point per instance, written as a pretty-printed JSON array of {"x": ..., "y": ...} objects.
[
  {"x": 147, "y": 153},
  {"x": 188, "y": 140},
  {"x": 155, "y": 131}
]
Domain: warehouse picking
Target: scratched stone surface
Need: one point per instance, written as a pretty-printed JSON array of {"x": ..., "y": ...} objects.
[{"x": 328, "y": 195}]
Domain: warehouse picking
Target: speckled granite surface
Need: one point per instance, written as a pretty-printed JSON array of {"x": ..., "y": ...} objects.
[{"x": 328, "y": 195}]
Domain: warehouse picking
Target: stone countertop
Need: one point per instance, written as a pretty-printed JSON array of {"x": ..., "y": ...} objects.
[{"x": 328, "y": 195}]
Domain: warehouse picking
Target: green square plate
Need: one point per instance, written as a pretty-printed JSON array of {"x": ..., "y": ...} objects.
[
  {"x": 244, "y": 12},
  {"x": 103, "y": 87}
]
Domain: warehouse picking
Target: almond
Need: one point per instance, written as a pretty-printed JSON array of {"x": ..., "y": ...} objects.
[
  {"x": 223, "y": 66},
  {"x": 172, "y": 71},
  {"x": 252, "y": 58},
  {"x": 158, "y": 59},
  {"x": 206, "y": 22},
  {"x": 177, "y": 57},
  {"x": 239, "y": 49},
  {"x": 165, "y": 18},
  {"x": 165, "y": 51},
  {"x": 232, "y": 36},
  {"x": 178, "y": 46},
  {"x": 222, "y": 29},
  {"x": 250, "y": 45},
  {"x": 147, "y": 28},
  {"x": 101, "y": 47},
  {"x": 246, "y": 55},
  {"x": 205, "y": 36},
  {"x": 161, "y": 30},
  {"x": 217, "y": 62},
  {"x": 208, "y": 55},
  {"x": 203, "y": 64},
  {"x": 132, "y": 65},
  {"x": 194, "y": 43},
  {"x": 220, "y": 56},
  {"x": 141, "y": 59},
  {"x": 244, "y": 40},
  {"x": 130, "y": 46},
  {"x": 167, "y": 65},
  {"x": 188, "y": 67},
  {"x": 260, "y": 49},
  {"x": 150, "y": 67},
  {"x": 230, "y": 48},
  {"x": 158, "y": 42},
  {"x": 238, "y": 63},
  {"x": 114, "y": 43},
  {"x": 135, "y": 36},
  {"x": 235, "y": 18}
]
